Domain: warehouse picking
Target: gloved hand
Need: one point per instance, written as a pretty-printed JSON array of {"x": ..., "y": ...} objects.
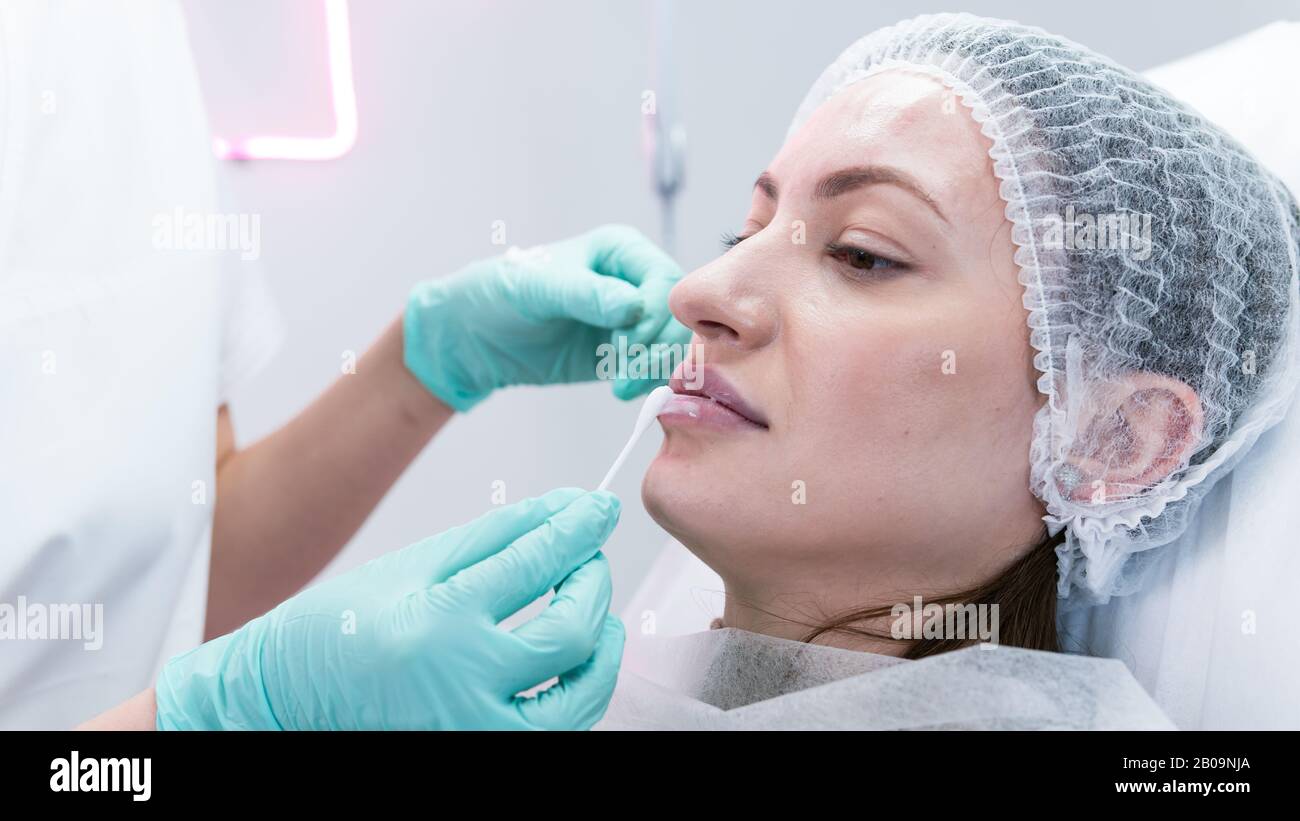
[
  {"x": 537, "y": 317},
  {"x": 410, "y": 640}
]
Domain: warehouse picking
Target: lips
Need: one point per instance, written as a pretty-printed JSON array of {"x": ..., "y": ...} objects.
[{"x": 705, "y": 394}]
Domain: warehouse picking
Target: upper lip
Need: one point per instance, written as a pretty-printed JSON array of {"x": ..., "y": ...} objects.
[{"x": 711, "y": 384}]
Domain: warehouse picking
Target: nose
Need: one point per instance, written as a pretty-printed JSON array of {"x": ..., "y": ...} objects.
[{"x": 729, "y": 301}]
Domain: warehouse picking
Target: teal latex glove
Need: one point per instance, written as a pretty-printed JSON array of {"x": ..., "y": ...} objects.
[
  {"x": 411, "y": 640},
  {"x": 539, "y": 316}
]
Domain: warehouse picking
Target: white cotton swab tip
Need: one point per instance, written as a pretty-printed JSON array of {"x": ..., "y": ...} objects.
[{"x": 649, "y": 411}]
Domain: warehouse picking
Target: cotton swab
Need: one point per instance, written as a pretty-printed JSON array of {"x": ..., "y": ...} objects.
[{"x": 649, "y": 411}]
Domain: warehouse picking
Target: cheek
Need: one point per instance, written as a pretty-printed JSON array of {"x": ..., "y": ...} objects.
[
  {"x": 862, "y": 392},
  {"x": 864, "y": 397},
  {"x": 916, "y": 403}
]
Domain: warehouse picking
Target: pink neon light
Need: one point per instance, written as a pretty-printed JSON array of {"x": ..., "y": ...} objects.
[{"x": 343, "y": 95}]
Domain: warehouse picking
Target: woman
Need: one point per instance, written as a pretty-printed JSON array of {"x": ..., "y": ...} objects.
[{"x": 980, "y": 242}]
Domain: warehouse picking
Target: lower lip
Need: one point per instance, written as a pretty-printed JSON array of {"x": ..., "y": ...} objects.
[{"x": 684, "y": 409}]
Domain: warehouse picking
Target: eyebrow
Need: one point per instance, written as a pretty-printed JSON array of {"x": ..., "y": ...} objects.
[{"x": 845, "y": 180}]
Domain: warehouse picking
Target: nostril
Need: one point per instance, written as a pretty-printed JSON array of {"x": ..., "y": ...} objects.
[{"x": 714, "y": 330}]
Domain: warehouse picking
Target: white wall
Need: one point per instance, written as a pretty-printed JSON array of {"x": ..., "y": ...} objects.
[{"x": 529, "y": 112}]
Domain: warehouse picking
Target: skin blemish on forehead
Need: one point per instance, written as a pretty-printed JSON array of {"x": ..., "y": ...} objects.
[
  {"x": 899, "y": 98},
  {"x": 905, "y": 120}
]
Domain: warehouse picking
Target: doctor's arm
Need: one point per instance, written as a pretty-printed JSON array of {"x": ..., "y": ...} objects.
[{"x": 290, "y": 501}]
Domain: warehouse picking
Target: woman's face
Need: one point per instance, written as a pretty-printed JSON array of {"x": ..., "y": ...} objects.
[{"x": 870, "y": 321}]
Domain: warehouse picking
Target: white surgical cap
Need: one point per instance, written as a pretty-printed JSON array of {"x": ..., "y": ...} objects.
[{"x": 1211, "y": 301}]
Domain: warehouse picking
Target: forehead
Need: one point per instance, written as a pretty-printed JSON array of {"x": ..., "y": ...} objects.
[{"x": 899, "y": 118}]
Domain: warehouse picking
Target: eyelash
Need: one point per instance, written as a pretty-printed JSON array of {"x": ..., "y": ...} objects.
[
  {"x": 842, "y": 252},
  {"x": 836, "y": 251}
]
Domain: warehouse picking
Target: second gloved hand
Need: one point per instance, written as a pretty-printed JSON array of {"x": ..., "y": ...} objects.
[
  {"x": 410, "y": 640},
  {"x": 539, "y": 316}
]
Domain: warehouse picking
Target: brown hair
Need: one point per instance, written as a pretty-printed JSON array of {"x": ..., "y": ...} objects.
[{"x": 1025, "y": 594}]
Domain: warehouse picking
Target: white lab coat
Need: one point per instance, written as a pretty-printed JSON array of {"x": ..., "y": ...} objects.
[{"x": 115, "y": 353}]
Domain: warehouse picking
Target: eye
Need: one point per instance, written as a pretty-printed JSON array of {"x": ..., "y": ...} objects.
[
  {"x": 730, "y": 240},
  {"x": 863, "y": 261}
]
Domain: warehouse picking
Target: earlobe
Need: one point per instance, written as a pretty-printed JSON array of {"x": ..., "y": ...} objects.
[{"x": 1149, "y": 428}]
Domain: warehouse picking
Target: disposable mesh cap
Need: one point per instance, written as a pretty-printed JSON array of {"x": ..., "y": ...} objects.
[{"x": 1090, "y": 157}]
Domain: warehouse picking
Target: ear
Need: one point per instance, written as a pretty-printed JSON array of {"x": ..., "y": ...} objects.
[{"x": 1141, "y": 428}]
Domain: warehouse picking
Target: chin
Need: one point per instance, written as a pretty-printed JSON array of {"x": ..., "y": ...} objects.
[
  {"x": 709, "y": 508},
  {"x": 666, "y": 490}
]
